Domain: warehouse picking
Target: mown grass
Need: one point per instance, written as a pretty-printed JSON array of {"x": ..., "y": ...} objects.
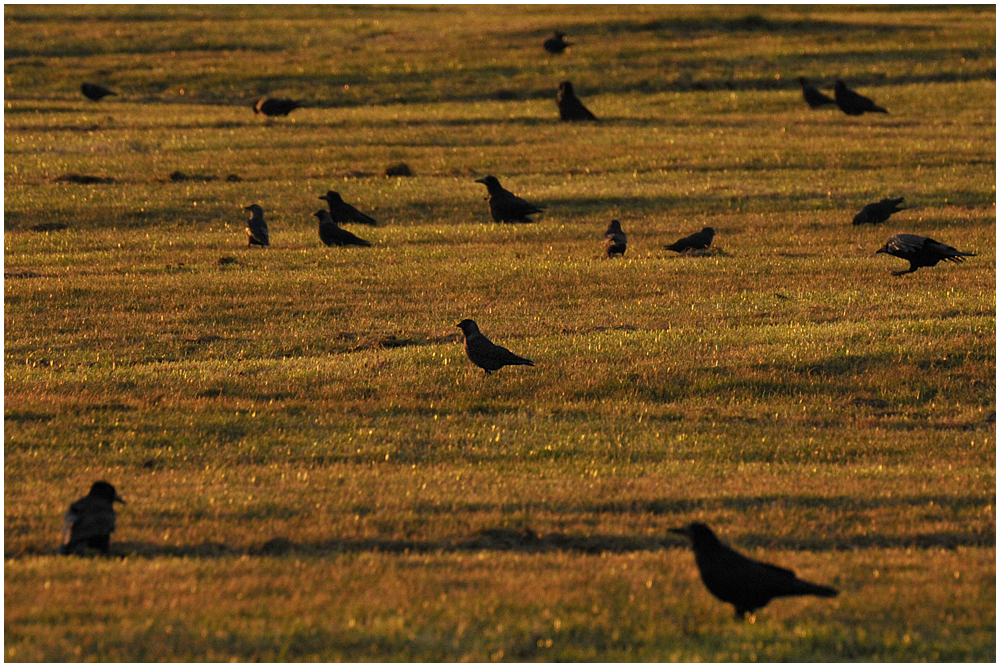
[{"x": 313, "y": 468}]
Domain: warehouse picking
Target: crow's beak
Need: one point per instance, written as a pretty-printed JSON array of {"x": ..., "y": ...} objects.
[
  {"x": 481, "y": 180},
  {"x": 247, "y": 208},
  {"x": 118, "y": 499},
  {"x": 680, "y": 531}
]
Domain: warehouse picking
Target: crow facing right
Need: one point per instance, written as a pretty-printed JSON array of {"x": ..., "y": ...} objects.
[
  {"x": 484, "y": 353},
  {"x": 879, "y": 211},
  {"x": 697, "y": 241},
  {"x": 95, "y": 92},
  {"x": 91, "y": 520}
]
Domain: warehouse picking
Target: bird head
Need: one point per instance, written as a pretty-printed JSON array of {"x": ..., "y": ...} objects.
[
  {"x": 253, "y": 208},
  {"x": 803, "y": 81},
  {"x": 840, "y": 85},
  {"x": 105, "y": 491},
  {"x": 709, "y": 231},
  {"x": 256, "y": 105},
  {"x": 491, "y": 183},
  {"x": 566, "y": 87},
  {"x": 332, "y": 197},
  {"x": 699, "y": 534},
  {"x": 323, "y": 215},
  {"x": 468, "y": 327},
  {"x": 884, "y": 249},
  {"x": 615, "y": 226}
]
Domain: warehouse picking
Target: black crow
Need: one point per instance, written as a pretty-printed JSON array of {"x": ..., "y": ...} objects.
[
  {"x": 615, "y": 240},
  {"x": 556, "y": 44},
  {"x": 851, "y": 103},
  {"x": 483, "y": 353},
  {"x": 505, "y": 206},
  {"x": 812, "y": 96},
  {"x": 743, "y": 582},
  {"x": 341, "y": 211},
  {"x": 331, "y": 234},
  {"x": 256, "y": 228},
  {"x": 921, "y": 251},
  {"x": 273, "y": 106},
  {"x": 94, "y": 92},
  {"x": 570, "y": 106},
  {"x": 91, "y": 520},
  {"x": 697, "y": 241},
  {"x": 879, "y": 211}
]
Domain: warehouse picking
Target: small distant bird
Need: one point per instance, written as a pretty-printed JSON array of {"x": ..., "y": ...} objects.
[
  {"x": 570, "y": 106},
  {"x": 505, "y": 206},
  {"x": 921, "y": 251},
  {"x": 556, "y": 44},
  {"x": 851, "y": 103},
  {"x": 275, "y": 106},
  {"x": 94, "y": 92},
  {"x": 256, "y": 228},
  {"x": 745, "y": 583},
  {"x": 697, "y": 241},
  {"x": 91, "y": 520},
  {"x": 878, "y": 212},
  {"x": 484, "y": 353},
  {"x": 615, "y": 240},
  {"x": 341, "y": 211},
  {"x": 812, "y": 96},
  {"x": 331, "y": 234}
]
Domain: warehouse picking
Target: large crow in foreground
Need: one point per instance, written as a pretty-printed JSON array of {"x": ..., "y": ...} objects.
[
  {"x": 615, "y": 240},
  {"x": 484, "y": 353},
  {"x": 331, "y": 234},
  {"x": 743, "y": 582},
  {"x": 851, "y": 103},
  {"x": 921, "y": 251},
  {"x": 91, "y": 520},
  {"x": 341, "y": 211},
  {"x": 556, "y": 44},
  {"x": 505, "y": 206},
  {"x": 570, "y": 106},
  {"x": 94, "y": 92},
  {"x": 812, "y": 96},
  {"x": 879, "y": 211},
  {"x": 274, "y": 106},
  {"x": 256, "y": 228},
  {"x": 697, "y": 241}
]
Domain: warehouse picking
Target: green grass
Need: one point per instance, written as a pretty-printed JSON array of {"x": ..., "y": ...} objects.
[{"x": 315, "y": 471}]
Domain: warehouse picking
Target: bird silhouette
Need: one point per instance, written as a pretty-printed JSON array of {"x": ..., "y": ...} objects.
[
  {"x": 256, "y": 228},
  {"x": 505, "y": 206},
  {"x": 743, "y": 582},
  {"x": 878, "y": 212},
  {"x": 275, "y": 106},
  {"x": 921, "y": 251},
  {"x": 331, "y": 234},
  {"x": 570, "y": 106},
  {"x": 555, "y": 44},
  {"x": 94, "y": 92},
  {"x": 851, "y": 103},
  {"x": 697, "y": 241},
  {"x": 484, "y": 353},
  {"x": 812, "y": 96},
  {"x": 91, "y": 520},
  {"x": 341, "y": 211},
  {"x": 615, "y": 240}
]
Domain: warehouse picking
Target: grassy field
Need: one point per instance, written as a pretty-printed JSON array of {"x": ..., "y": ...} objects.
[{"x": 315, "y": 471}]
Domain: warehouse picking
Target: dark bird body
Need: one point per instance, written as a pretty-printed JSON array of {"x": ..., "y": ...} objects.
[
  {"x": 615, "y": 240},
  {"x": 697, "y": 241},
  {"x": 91, "y": 520},
  {"x": 812, "y": 96},
  {"x": 341, "y": 211},
  {"x": 878, "y": 212},
  {"x": 853, "y": 104},
  {"x": 275, "y": 106},
  {"x": 570, "y": 106},
  {"x": 743, "y": 582},
  {"x": 505, "y": 206},
  {"x": 556, "y": 44},
  {"x": 256, "y": 229},
  {"x": 94, "y": 92},
  {"x": 331, "y": 234},
  {"x": 484, "y": 353},
  {"x": 921, "y": 251}
]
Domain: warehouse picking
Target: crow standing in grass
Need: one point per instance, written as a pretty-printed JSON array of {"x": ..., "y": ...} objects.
[
  {"x": 697, "y": 241},
  {"x": 745, "y": 583},
  {"x": 921, "y": 251},
  {"x": 570, "y": 106},
  {"x": 91, "y": 520},
  {"x": 341, "y": 211},
  {"x": 556, "y": 44},
  {"x": 505, "y": 206},
  {"x": 485, "y": 354},
  {"x": 615, "y": 240},
  {"x": 275, "y": 106},
  {"x": 812, "y": 96},
  {"x": 878, "y": 212},
  {"x": 331, "y": 234},
  {"x": 851, "y": 103},
  {"x": 94, "y": 92},
  {"x": 256, "y": 228}
]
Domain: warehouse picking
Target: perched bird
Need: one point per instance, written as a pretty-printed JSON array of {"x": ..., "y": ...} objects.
[
  {"x": 556, "y": 44},
  {"x": 921, "y": 251},
  {"x": 483, "y": 353},
  {"x": 275, "y": 106},
  {"x": 91, "y": 520},
  {"x": 812, "y": 96},
  {"x": 745, "y": 583},
  {"x": 341, "y": 211},
  {"x": 697, "y": 241},
  {"x": 256, "y": 228},
  {"x": 94, "y": 92},
  {"x": 879, "y": 211},
  {"x": 851, "y": 103},
  {"x": 615, "y": 240},
  {"x": 331, "y": 234},
  {"x": 505, "y": 206},
  {"x": 570, "y": 106}
]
